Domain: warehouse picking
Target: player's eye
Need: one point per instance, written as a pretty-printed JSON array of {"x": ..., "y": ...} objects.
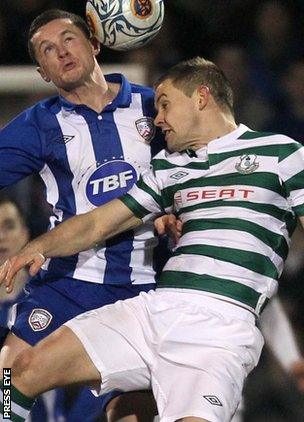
[{"x": 48, "y": 49}]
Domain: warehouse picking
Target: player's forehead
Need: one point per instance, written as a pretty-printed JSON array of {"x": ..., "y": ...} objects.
[
  {"x": 165, "y": 90},
  {"x": 53, "y": 29}
]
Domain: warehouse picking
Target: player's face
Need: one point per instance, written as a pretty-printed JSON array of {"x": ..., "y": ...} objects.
[
  {"x": 177, "y": 116},
  {"x": 13, "y": 233},
  {"x": 65, "y": 55}
]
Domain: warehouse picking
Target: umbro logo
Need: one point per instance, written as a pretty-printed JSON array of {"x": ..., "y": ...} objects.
[
  {"x": 179, "y": 175},
  {"x": 215, "y": 401},
  {"x": 64, "y": 138}
]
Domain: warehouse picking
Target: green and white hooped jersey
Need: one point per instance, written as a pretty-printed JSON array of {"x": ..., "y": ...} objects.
[{"x": 238, "y": 199}]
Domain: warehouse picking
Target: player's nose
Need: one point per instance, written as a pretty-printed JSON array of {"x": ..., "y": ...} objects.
[
  {"x": 158, "y": 120},
  {"x": 62, "y": 51}
]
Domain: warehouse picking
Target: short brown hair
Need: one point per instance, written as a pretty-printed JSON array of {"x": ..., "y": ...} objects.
[
  {"x": 49, "y": 16},
  {"x": 189, "y": 74}
]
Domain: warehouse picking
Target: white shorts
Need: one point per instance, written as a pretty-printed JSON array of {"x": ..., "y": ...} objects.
[{"x": 194, "y": 351}]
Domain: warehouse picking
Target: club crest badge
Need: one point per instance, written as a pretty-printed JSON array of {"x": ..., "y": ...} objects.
[
  {"x": 145, "y": 127},
  {"x": 247, "y": 164},
  {"x": 39, "y": 319},
  {"x": 142, "y": 8}
]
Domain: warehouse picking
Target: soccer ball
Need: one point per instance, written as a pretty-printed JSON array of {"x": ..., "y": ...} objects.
[{"x": 124, "y": 24}]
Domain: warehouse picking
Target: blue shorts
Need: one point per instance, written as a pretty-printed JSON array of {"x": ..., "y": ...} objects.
[{"x": 49, "y": 302}]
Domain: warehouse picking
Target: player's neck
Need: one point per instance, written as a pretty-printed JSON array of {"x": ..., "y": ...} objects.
[
  {"x": 95, "y": 97},
  {"x": 219, "y": 125},
  {"x": 95, "y": 93}
]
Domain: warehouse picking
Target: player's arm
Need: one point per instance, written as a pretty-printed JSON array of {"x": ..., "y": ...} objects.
[
  {"x": 21, "y": 150},
  {"x": 79, "y": 233}
]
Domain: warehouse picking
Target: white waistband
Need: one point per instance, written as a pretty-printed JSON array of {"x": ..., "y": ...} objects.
[{"x": 218, "y": 304}]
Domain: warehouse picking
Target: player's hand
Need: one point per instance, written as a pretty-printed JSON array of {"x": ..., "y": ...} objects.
[
  {"x": 297, "y": 371},
  {"x": 10, "y": 268},
  {"x": 170, "y": 225}
]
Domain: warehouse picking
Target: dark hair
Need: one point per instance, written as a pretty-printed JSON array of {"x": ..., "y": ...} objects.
[
  {"x": 6, "y": 199},
  {"x": 189, "y": 74},
  {"x": 49, "y": 16}
]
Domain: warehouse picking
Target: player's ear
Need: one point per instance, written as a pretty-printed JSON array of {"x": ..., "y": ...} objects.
[
  {"x": 96, "y": 46},
  {"x": 203, "y": 96},
  {"x": 43, "y": 74}
]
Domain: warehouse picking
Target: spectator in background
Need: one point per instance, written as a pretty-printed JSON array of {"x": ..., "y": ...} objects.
[
  {"x": 292, "y": 89},
  {"x": 14, "y": 234},
  {"x": 274, "y": 46},
  {"x": 249, "y": 105},
  {"x": 201, "y": 25}
]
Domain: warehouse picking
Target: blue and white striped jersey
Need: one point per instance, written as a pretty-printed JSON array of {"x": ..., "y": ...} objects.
[{"x": 86, "y": 159}]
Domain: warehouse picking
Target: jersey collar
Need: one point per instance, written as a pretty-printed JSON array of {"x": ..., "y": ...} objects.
[
  {"x": 224, "y": 142},
  {"x": 122, "y": 99}
]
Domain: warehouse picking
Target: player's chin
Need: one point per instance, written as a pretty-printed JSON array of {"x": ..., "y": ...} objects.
[
  {"x": 72, "y": 75},
  {"x": 170, "y": 143},
  {"x": 173, "y": 146},
  {"x": 68, "y": 82},
  {"x": 170, "y": 147}
]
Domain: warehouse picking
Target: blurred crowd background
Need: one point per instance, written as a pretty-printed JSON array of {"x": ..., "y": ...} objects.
[{"x": 259, "y": 45}]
